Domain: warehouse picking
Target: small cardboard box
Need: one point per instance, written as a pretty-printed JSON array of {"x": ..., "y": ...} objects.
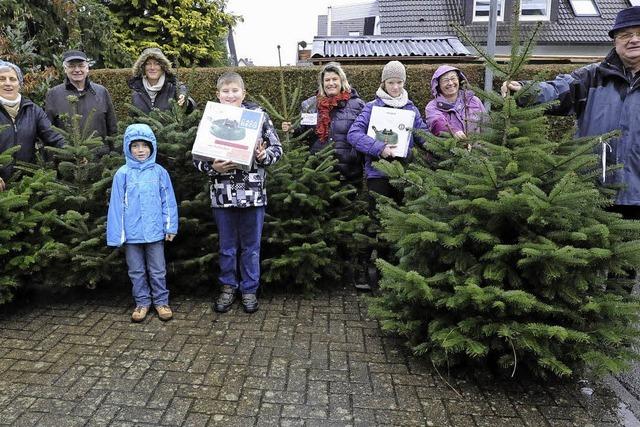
[
  {"x": 227, "y": 133},
  {"x": 393, "y": 126}
]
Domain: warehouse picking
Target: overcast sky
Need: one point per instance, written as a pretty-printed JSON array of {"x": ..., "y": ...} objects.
[{"x": 269, "y": 23}]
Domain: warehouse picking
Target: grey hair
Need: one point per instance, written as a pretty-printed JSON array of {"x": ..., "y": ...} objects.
[
  {"x": 333, "y": 67},
  {"x": 6, "y": 65}
]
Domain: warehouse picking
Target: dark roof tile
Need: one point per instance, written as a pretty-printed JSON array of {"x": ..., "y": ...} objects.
[{"x": 403, "y": 18}]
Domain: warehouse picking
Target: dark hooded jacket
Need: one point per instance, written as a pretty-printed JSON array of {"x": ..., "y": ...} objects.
[
  {"x": 30, "y": 125},
  {"x": 342, "y": 117},
  {"x": 171, "y": 89}
]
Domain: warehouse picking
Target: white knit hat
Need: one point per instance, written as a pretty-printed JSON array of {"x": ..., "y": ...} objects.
[{"x": 394, "y": 69}]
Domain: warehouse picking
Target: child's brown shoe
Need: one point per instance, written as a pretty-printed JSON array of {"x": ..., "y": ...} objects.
[
  {"x": 139, "y": 314},
  {"x": 164, "y": 312}
]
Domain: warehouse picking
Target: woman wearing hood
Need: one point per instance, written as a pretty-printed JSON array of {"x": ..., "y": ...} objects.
[
  {"x": 454, "y": 109},
  {"x": 153, "y": 83}
]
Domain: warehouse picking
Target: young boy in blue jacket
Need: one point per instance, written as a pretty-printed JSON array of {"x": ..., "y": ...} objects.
[{"x": 143, "y": 214}]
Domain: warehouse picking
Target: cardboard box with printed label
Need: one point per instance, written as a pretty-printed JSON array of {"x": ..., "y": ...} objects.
[{"x": 227, "y": 133}]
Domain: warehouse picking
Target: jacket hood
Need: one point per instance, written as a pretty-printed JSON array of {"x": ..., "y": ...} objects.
[
  {"x": 138, "y": 132},
  {"x": 443, "y": 69},
  {"x": 155, "y": 53}
]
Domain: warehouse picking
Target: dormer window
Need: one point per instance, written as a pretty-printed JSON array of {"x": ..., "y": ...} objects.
[
  {"x": 586, "y": 7},
  {"x": 535, "y": 10},
  {"x": 531, "y": 10},
  {"x": 481, "y": 10}
]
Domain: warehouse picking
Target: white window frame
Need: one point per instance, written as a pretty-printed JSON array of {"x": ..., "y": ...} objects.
[
  {"x": 545, "y": 17},
  {"x": 476, "y": 18},
  {"x": 595, "y": 6}
]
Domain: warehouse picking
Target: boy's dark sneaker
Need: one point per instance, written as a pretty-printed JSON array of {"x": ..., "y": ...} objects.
[
  {"x": 225, "y": 299},
  {"x": 250, "y": 303},
  {"x": 362, "y": 286}
]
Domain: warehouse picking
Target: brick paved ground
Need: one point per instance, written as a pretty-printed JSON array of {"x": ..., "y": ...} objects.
[{"x": 298, "y": 362}]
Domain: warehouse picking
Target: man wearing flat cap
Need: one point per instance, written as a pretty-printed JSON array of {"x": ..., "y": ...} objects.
[
  {"x": 605, "y": 96},
  {"x": 91, "y": 96}
]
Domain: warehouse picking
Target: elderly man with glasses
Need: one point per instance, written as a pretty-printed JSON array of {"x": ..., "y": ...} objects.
[
  {"x": 93, "y": 100},
  {"x": 605, "y": 96}
]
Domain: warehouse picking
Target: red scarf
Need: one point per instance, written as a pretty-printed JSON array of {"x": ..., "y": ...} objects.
[{"x": 325, "y": 105}]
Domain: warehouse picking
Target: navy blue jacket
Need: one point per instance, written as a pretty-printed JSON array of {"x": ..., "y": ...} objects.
[
  {"x": 342, "y": 117},
  {"x": 604, "y": 98},
  {"x": 31, "y": 124}
]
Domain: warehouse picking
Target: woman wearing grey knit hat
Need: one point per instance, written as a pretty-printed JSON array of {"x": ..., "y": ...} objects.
[
  {"x": 26, "y": 121},
  {"x": 390, "y": 94},
  {"x": 153, "y": 83}
]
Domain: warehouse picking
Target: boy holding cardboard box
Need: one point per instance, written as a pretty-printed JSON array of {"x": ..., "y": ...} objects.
[{"x": 238, "y": 198}]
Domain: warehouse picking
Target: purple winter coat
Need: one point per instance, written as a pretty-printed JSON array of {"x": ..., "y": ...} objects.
[
  {"x": 443, "y": 116},
  {"x": 372, "y": 148}
]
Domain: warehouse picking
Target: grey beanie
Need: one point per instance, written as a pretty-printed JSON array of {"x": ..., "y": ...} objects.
[
  {"x": 394, "y": 69},
  {"x": 14, "y": 67}
]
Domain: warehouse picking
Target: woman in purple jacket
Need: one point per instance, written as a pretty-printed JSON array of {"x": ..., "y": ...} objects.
[
  {"x": 453, "y": 110},
  {"x": 390, "y": 94}
]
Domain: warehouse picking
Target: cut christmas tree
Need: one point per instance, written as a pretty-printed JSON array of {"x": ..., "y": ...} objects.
[{"x": 507, "y": 253}]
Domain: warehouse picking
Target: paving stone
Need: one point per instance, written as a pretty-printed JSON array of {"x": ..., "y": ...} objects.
[
  {"x": 396, "y": 418},
  {"x": 176, "y": 412},
  {"x": 305, "y": 411},
  {"x": 340, "y": 408},
  {"x": 28, "y": 419},
  {"x": 196, "y": 420},
  {"x": 139, "y": 415},
  {"x": 15, "y": 408},
  {"x": 435, "y": 412},
  {"x": 127, "y": 398},
  {"x": 162, "y": 396},
  {"x": 53, "y": 420},
  {"x": 299, "y": 361},
  {"x": 297, "y": 380},
  {"x": 317, "y": 393},
  {"x": 490, "y": 421},
  {"x": 249, "y": 403}
]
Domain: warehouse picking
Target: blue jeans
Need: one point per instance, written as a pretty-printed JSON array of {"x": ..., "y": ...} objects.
[
  {"x": 147, "y": 272},
  {"x": 239, "y": 233}
]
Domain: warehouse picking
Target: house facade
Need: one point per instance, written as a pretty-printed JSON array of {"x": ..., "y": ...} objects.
[{"x": 571, "y": 31}]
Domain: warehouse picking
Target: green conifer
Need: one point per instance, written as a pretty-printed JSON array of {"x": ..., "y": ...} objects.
[{"x": 506, "y": 253}]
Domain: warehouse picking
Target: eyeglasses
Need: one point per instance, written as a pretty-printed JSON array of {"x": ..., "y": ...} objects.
[
  {"x": 627, "y": 35},
  {"x": 449, "y": 79},
  {"x": 76, "y": 66}
]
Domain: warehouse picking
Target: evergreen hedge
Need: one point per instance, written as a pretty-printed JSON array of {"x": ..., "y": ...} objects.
[{"x": 265, "y": 81}]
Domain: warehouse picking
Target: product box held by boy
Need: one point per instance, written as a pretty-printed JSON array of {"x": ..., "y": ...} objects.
[
  {"x": 393, "y": 126},
  {"x": 227, "y": 133}
]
